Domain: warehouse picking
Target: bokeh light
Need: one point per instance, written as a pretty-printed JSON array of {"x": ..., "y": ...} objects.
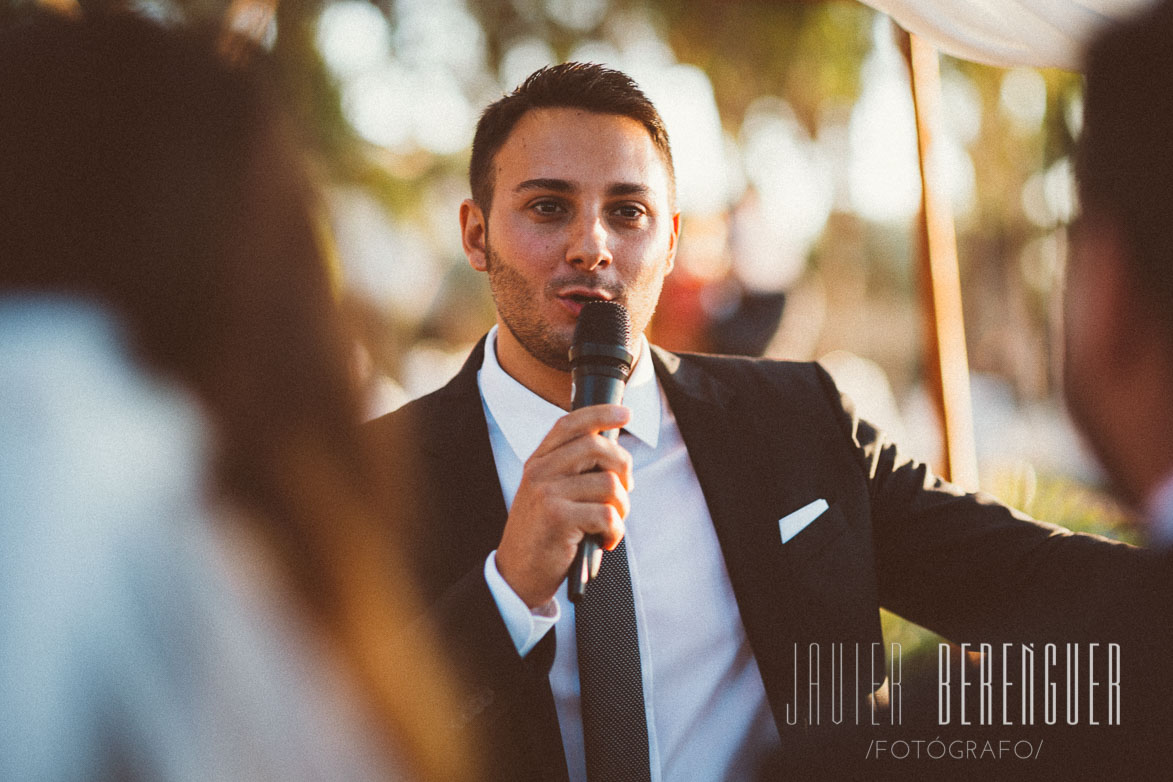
[
  {"x": 1024, "y": 98},
  {"x": 883, "y": 172},
  {"x": 353, "y": 36}
]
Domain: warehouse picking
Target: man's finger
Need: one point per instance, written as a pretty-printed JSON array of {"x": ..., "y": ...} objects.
[
  {"x": 586, "y": 420},
  {"x": 589, "y": 453},
  {"x": 595, "y": 518},
  {"x": 601, "y": 488}
]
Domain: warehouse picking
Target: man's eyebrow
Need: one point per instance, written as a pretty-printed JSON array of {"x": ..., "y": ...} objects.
[
  {"x": 564, "y": 186},
  {"x": 628, "y": 188},
  {"x": 556, "y": 185}
]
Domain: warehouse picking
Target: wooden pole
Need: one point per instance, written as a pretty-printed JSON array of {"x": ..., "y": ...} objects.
[{"x": 947, "y": 358}]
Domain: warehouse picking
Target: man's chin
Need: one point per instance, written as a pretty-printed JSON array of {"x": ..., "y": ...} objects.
[
  {"x": 554, "y": 356},
  {"x": 552, "y": 351}
]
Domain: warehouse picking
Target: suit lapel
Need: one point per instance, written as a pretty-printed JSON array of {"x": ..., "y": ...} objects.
[
  {"x": 706, "y": 412},
  {"x": 460, "y": 457},
  {"x": 712, "y": 423},
  {"x": 752, "y": 470}
]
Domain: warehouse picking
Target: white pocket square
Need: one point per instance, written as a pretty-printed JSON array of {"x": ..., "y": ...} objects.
[{"x": 793, "y": 523}]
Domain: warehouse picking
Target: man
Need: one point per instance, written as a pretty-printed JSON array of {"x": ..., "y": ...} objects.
[
  {"x": 762, "y": 523},
  {"x": 1119, "y": 367},
  {"x": 1119, "y": 310}
]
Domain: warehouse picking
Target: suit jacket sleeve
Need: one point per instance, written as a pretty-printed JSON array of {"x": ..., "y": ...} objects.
[{"x": 971, "y": 568}]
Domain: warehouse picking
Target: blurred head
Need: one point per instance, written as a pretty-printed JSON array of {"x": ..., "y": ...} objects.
[
  {"x": 574, "y": 85},
  {"x": 1119, "y": 307},
  {"x": 572, "y": 200},
  {"x": 140, "y": 171}
]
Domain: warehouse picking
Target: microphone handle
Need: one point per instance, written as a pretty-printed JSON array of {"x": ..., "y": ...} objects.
[
  {"x": 584, "y": 567},
  {"x": 591, "y": 388}
]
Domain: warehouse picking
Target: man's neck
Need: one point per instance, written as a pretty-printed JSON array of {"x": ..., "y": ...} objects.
[{"x": 550, "y": 384}]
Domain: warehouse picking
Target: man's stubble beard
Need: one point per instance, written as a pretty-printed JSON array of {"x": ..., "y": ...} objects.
[
  {"x": 518, "y": 305},
  {"x": 516, "y": 301}
]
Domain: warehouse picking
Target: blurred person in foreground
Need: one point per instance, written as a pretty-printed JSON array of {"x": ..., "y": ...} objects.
[
  {"x": 1119, "y": 329},
  {"x": 1118, "y": 369},
  {"x": 761, "y": 522},
  {"x": 192, "y": 586}
]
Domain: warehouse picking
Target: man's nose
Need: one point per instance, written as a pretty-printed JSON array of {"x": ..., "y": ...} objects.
[{"x": 589, "y": 247}]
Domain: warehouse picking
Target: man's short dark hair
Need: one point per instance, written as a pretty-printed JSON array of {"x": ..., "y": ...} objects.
[
  {"x": 573, "y": 85},
  {"x": 1125, "y": 161}
]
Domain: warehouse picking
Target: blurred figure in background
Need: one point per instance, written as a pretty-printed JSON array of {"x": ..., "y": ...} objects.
[
  {"x": 1119, "y": 367},
  {"x": 192, "y": 586}
]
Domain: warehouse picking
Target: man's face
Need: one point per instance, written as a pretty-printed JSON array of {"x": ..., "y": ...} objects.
[{"x": 580, "y": 211}]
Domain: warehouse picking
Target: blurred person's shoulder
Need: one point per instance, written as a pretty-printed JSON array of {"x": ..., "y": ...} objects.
[
  {"x": 86, "y": 418},
  {"x": 171, "y": 652}
]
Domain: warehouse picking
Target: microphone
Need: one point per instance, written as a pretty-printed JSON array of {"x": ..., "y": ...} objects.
[{"x": 599, "y": 367}]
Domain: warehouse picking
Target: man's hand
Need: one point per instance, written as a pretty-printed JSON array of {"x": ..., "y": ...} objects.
[{"x": 574, "y": 484}]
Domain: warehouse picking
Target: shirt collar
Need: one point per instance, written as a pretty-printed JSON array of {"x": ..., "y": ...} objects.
[{"x": 525, "y": 418}]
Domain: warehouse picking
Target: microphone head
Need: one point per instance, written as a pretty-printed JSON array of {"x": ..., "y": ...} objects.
[
  {"x": 603, "y": 331},
  {"x": 603, "y": 323}
]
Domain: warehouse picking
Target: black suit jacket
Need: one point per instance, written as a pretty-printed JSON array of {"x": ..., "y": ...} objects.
[{"x": 765, "y": 438}]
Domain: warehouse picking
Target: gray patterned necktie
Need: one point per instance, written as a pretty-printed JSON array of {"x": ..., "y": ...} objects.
[{"x": 614, "y": 722}]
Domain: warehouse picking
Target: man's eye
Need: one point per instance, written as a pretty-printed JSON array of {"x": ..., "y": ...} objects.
[
  {"x": 630, "y": 212},
  {"x": 547, "y": 208}
]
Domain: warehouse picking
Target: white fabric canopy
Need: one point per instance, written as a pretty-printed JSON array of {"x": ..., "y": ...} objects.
[{"x": 1038, "y": 33}]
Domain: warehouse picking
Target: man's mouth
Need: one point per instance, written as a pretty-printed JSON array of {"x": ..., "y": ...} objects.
[
  {"x": 582, "y": 295},
  {"x": 574, "y": 299}
]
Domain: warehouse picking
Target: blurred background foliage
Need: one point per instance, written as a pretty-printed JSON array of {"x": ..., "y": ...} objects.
[{"x": 793, "y": 132}]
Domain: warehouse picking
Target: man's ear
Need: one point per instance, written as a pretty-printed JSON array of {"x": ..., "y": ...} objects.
[
  {"x": 673, "y": 242},
  {"x": 474, "y": 229}
]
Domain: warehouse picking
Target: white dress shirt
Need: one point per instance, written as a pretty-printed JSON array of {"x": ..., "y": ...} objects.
[{"x": 707, "y": 714}]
